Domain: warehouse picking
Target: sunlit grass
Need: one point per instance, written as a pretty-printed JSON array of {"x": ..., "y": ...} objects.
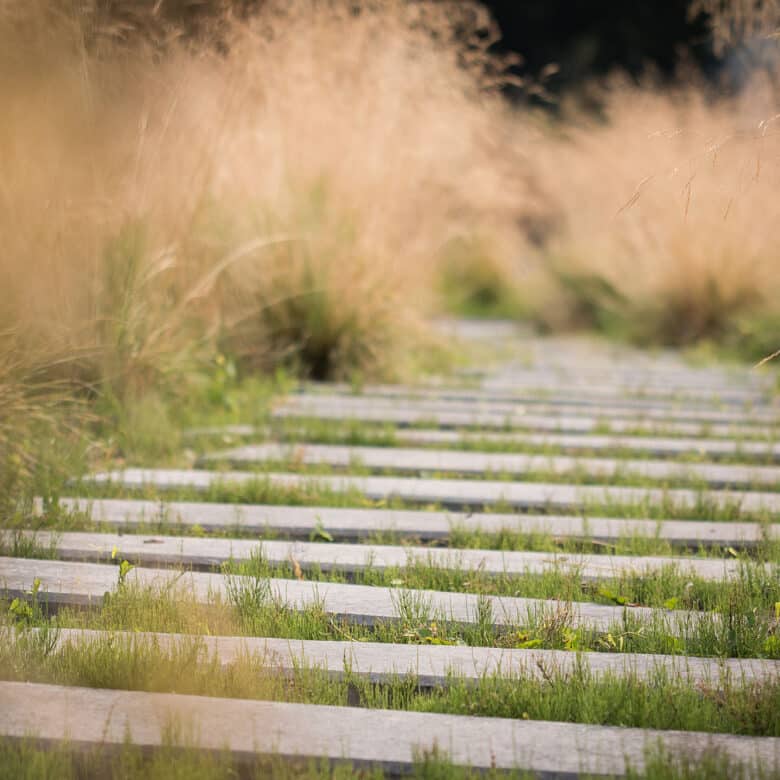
[{"x": 185, "y": 665}]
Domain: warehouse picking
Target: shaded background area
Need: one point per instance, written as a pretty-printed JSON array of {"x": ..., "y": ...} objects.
[{"x": 587, "y": 38}]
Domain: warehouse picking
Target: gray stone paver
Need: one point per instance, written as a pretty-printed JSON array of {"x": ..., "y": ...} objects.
[
  {"x": 479, "y": 463},
  {"x": 651, "y": 445},
  {"x": 434, "y": 665},
  {"x": 599, "y": 389},
  {"x": 84, "y": 584},
  {"x": 347, "y": 523},
  {"x": 516, "y": 409},
  {"x": 188, "y": 552},
  {"x": 747, "y": 450},
  {"x": 385, "y": 738},
  {"x": 561, "y": 396},
  {"x": 411, "y": 415},
  {"x": 448, "y": 492}
]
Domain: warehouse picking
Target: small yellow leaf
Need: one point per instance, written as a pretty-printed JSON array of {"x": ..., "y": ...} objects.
[
  {"x": 114, "y": 551},
  {"x": 296, "y": 568}
]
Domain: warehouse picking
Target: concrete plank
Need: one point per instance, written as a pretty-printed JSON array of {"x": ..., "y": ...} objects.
[
  {"x": 448, "y": 493},
  {"x": 615, "y": 410},
  {"x": 85, "y": 584},
  {"x": 192, "y": 552},
  {"x": 432, "y": 665},
  {"x": 419, "y": 461},
  {"x": 302, "y": 522},
  {"x": 560, "y": 397},
  {"x": 651, "y": 445},
  {"x": 387, "y": 739},
  {"x": 597, "y": 388},
  {"x": 411, "y": 415}
]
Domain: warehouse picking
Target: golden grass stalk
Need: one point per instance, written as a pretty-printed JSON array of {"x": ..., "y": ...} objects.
[
  {"x": 670, "y": 215},
  {"x": 136, "y": 170}
]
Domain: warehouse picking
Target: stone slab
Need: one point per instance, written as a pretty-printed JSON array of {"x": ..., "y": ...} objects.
[
  {"x": 585, "y": 373},
  {"x": 615, "y": 410},
  {"x": 411, "y": 415},
  {"x": 447, "y": 492},
  {"x": 384, "y": 738},
  {"x": 561, "y": 397},
  {"x": 597, "y": 388},
  {"x": 302, "y": 522},
  {"x": 651, "y": 445},
  {"x": 192, "y": 552},
  {"x": 433, "y": 665},
  {"x": 85, "y": 584},
  {"x": 584, "y": 366},
  {"x": 420, "y": 461}
]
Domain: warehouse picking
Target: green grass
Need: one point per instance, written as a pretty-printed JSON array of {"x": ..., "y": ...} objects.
[
  {"x": 744, "y": 625},
  {"x": 358, "y": 433},
  {"x": 259, "y": 489},
  {"x": 474, "y": 283},
  {"x": 15, "y": 544},
  {"x": 578, "y": 474},
  {"x": 601, "y": 427},
  {"x": 665, "y": 700},
  {"x": 755, "y": 585},
  {"x": 27, "y": 760},
  {"x": 60, "y": 520}
]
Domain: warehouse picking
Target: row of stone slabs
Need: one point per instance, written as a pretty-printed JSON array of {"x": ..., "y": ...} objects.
[
  {"x": 589, "y": 365},
  {"x": 65, "y": 583},
  {"x": 420, "y": 461},
  {"x": 641, "y": 383},
  {"x": 562, "y": 396},
  {"x": 430, "y": 665},
  {"x": 515, "y": 410},
  {"x": 302, "y": 522},
  {"x": 196, "y": 553},
  {"x": 448, "y": 493},
  {"x": 605, "y": 378},
  {"x": 642, "y": 445},
  {"x": 384, "y": 738},
  {"x": 597, "y": 390},
  {"x": 408, "y": 415}
]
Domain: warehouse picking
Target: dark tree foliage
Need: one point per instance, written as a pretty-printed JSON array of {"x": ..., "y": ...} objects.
[
  {"x": 582, "y": 38},
  {"x": 587, "y": 38}
]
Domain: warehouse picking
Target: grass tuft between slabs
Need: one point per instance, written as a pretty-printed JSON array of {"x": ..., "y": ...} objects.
[{"x": 664, "y": 700}]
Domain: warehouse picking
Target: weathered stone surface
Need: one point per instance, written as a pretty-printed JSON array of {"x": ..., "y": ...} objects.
[
  {"x": 417, "y": 461},
  {"x": 615, "y": 410},
  {"x": 191, "y": 552},
  {"x": 563, "y": 396},
  {"x": 599, "y": 381},
  {"x": 652, "y": 445},
  {"x": 450, "y": 492},
  {"x": 302, "y": 522},
  {"x": 412, "y": 414},
  {"x": 747, "y": 450},
  {"x": 433, "y": 665},
  {"x": 389, "y": 739},
  {"x": 64, "y": 582},
  {"x": 598, "y": 388}
]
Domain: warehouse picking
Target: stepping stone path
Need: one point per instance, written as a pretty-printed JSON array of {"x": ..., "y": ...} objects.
[
  {"x": 482, "y": 464},
  {"x": 549, "y": 467}
]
